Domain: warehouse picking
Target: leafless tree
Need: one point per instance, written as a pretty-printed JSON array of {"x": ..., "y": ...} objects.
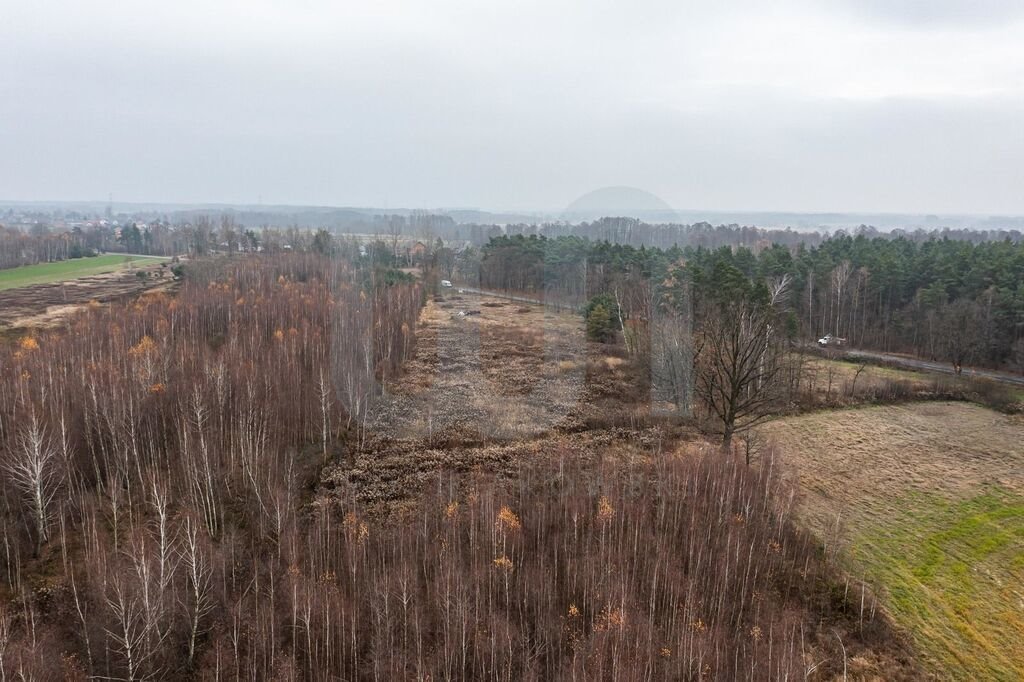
[
  {"x": 34, "y": 471},
  {"x": 198, "y": 574},
  {"x": 853, "y": 384},
  {"x": 840, "y": 276},
  {"x": 672, "y": 353},
  {"x": 778, "y": 287},
  {"x": 5, "y": 638},
  {"x": 738, "y": 362},
  {"x": 324, "y": 391},
  {"x": 753, "y": 444},
  {"x": 129, "y": 633}
]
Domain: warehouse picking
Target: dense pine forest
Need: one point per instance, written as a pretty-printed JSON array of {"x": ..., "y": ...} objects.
[{"x": 938, "y": 298}]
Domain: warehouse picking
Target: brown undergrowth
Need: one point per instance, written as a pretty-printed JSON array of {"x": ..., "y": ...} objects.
[{"x": 616, "y": 564}]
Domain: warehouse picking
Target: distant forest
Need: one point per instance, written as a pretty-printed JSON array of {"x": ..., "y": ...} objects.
[
  {"x": 939, "y": 298},
  {"x": 40, "y": 242},
  {"x": 953, "y": 295}
]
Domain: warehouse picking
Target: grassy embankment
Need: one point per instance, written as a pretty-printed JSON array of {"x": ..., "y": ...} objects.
[{"x": 833, "y": 381}]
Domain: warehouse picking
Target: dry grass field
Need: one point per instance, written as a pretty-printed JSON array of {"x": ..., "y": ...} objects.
[
  {"x": 928, "y": 499},
  {"x": 830, "y": 379}
]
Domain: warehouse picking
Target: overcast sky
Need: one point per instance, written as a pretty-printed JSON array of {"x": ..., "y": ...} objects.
[{"x": 870, "y": 105}]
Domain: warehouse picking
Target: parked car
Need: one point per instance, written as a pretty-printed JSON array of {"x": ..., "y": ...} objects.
[{"x": 446, "y": 283}]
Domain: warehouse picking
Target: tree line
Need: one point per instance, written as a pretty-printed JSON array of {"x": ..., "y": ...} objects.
[
  {"x": 19, "y": 248},
  {"x": 201, "y": 232}
]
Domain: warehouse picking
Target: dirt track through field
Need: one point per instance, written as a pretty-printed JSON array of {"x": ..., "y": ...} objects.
[
  {"x": 510, "y": 371},
  {"x": 494, "y": 391}
]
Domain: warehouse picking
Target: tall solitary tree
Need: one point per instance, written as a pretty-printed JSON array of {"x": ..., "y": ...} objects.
[{"x": 739, "y": 354}]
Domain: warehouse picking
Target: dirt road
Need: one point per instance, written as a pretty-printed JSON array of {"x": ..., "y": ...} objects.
[
  {"x": 517, "y": 299},
  {"x": 927, "y": 366}
]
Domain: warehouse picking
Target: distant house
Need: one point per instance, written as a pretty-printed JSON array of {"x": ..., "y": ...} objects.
[{"x": 417, "y": 252}]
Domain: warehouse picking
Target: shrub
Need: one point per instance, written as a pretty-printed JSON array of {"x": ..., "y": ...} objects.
[
  {"x": 997, "y": 396},
  {"x": 600, "y": 326}
]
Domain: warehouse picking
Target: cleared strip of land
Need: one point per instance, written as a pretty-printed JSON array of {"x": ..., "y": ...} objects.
[
  {"x": 47, "y": 273},
  {"x": 929, "y": 498}
]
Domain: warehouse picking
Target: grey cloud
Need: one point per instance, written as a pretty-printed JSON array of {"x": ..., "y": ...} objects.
[
  {"x": 923, "y": 14},
  {"x": 512, "y": 106}
]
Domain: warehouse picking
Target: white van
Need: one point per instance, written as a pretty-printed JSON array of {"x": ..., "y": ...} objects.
[{"x": 445, "y": 283}]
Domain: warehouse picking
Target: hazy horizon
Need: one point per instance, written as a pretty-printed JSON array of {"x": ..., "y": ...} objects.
[
  {"x": 684, "y": 213},
  {"x": 878, "y": 107}
]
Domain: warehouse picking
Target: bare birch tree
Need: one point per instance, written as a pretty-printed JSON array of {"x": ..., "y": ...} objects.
[
  {"x": 35, "y": 473},
  {"x": 129, "y": 633},
  {"x": 198, "y": 574}
]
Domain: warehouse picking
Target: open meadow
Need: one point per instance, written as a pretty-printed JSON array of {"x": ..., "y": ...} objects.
[
  {"x": 46, "y": 273},
  {"x": 505, "y": 370},
  {"x": 927, "y": 499}
]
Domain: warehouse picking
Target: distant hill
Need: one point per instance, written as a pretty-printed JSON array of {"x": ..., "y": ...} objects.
[{"x": 625, "y": 202}]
